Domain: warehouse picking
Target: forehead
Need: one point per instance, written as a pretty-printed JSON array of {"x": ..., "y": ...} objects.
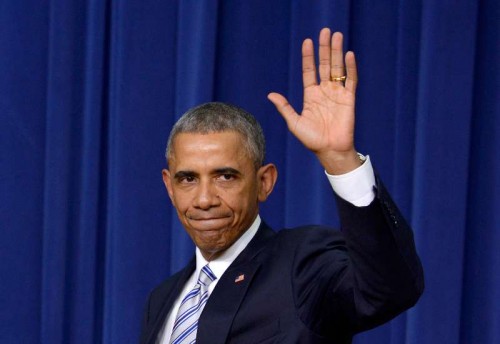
[{"x": 228, "y": 145}]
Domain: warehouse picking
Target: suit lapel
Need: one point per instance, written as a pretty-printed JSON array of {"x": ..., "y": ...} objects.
[
  {"x": 224, "y": 302},
  {"x": 170, "y": 294}
]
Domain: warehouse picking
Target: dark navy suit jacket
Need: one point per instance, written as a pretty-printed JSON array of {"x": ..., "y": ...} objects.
[{"x": 307, "y": 285}]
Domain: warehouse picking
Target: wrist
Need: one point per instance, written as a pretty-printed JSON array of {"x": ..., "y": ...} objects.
[{"x": 336, "y": 163}]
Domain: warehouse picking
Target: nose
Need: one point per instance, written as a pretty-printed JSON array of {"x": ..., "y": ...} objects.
[{"x": 206, "y": 196}]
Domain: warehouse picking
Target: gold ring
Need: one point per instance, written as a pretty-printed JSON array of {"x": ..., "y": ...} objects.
[{"x": 339, "y": 78}]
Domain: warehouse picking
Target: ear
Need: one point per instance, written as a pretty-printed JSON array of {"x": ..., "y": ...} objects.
[
  {"x": 267, "y": 176},
  {"x": 168, "y": 183}
]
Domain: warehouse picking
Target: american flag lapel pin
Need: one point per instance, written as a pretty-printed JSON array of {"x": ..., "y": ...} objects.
[{"x": 240, "y": 278}]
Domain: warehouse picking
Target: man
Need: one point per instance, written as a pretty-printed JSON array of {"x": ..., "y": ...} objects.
[{"x": 248, "y": 284}]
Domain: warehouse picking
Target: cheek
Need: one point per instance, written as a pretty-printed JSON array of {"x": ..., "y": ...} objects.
[
  {"x": 181, "y": 209},
  {"x": 243, "y": 204},
  {"x": 180, "y": 200}
]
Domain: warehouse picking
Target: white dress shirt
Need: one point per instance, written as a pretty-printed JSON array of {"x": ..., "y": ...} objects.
[{"x": 355, "y": 187}]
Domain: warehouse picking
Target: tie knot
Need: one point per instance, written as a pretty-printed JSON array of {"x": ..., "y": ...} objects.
[{"x": 206, "y": 276}]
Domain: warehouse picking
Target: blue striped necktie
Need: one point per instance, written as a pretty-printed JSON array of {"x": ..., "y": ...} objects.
[{"x": 186, "y": 323}]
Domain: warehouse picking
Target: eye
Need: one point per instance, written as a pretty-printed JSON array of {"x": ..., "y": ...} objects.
[
  {"x": 226, "y": 177},
  {"x": 187, "y": 180}
]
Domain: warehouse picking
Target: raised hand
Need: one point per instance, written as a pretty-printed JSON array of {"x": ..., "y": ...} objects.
[{"x": 326, "y": 124}]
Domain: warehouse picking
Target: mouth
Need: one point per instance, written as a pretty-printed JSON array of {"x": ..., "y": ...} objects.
[
  {"x": 202, "y": 218},
  {"x": 208, "y": 223}
]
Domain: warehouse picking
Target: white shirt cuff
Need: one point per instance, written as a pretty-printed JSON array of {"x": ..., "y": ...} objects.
[{"x": 355, "y": 187}]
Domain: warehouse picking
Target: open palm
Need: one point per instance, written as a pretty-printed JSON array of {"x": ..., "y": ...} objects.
[{"x": 326, "y": 124}]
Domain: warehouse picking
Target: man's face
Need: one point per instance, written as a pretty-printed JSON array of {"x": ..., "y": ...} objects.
[{"x": 215, "y": 188}]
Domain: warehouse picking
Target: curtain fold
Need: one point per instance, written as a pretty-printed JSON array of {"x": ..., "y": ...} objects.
[
  {"x": 447, "y": 59},
  {"x": 481, "y": 276},
  {"x": 62, "y": 266},
  {"x": 141, "y": 106},
  {"x": 90, "y": 89}
]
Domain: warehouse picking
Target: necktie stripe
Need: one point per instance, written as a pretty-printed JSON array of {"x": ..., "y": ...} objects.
[
  {"x": 186, "y": 333},
  {"x": 209, "y": 273},
  {"x": 190, "y": 309},
  {"x": 191, "y": 294}
]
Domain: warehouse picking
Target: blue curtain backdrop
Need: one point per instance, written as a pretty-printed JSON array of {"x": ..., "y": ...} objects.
[{"x": 89, "y": 90}]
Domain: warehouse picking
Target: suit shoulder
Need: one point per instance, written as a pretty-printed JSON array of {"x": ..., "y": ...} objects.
[
  {"x": 309, "y": 232},
  {"x": 310, "y": 237}
]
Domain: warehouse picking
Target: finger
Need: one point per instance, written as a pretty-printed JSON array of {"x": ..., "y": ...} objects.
[
  {"x": 284, "y": 108},
  {"x": 308, "y": 66},
  {"x": 324, "y": 55},
  {"x": 352, "y": 72},
  {"x": 337, "y": 56}
]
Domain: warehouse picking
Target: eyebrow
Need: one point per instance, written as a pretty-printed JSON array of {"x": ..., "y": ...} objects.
[
  {"x": 184, "y": 174},
  {"x": 222, "y": 170},
  {"x": 227, "y": 170}
]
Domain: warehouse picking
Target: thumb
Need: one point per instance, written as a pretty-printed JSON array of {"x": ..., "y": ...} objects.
[{"x": 284, "y": 108}]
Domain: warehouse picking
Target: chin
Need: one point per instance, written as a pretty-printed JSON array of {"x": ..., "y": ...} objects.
[{"x": 211, "y": 242}]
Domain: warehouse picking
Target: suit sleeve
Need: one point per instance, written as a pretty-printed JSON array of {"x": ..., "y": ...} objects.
[{"x": 360, "y": 279}]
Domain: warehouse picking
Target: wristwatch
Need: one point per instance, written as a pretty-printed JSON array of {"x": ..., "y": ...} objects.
[{"x": 362, "y": 158}]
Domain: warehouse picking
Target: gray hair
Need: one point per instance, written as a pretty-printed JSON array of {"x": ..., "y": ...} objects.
[{"x": 218, "y": 117}]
